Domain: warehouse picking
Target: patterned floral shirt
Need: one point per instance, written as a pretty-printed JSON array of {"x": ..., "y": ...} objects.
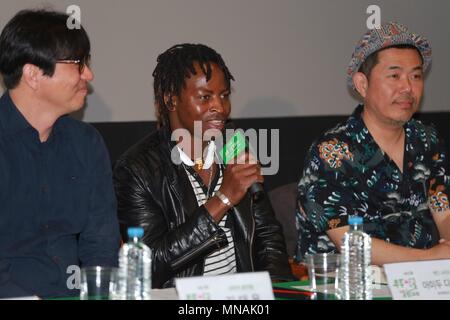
[{"x": 346, "y": 173}]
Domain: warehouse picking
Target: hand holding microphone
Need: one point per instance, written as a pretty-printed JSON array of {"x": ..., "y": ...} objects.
[{"x": 242, "y": 173}]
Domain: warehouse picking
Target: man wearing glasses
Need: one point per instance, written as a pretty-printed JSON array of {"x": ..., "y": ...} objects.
[{"x": 58, "y": 208}]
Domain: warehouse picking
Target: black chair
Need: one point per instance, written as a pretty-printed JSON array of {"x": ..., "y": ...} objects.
[{"x": 283, "y": 201}]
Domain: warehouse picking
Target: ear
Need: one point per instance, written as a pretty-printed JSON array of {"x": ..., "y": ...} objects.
[
  {"x": 31, "y": 75},
  {"x": 361, "y": 83},
  {"x": 170, "y": 102}
]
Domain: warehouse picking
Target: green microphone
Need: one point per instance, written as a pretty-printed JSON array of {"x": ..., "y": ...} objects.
[{"x": 232, "y": 149}]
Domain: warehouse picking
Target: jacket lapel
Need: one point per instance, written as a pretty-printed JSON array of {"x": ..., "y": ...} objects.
[
  {"x": 188, "y": 200},
  {"x": 178, "y": 180},
  {"x": 243, "y": 230}
]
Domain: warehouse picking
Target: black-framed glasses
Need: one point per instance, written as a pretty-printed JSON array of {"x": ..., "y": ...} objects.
[{"x": 81, "y": 63}]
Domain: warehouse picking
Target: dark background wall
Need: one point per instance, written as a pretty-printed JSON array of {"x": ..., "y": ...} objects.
[{"x": 296, "y": 135}]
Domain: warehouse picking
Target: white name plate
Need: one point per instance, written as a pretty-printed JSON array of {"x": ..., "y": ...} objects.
[
  {"x": 238, "y": 286},
  {"x": 421, "y": 280}
]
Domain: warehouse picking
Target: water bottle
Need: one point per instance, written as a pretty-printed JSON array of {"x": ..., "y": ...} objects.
[
  {"x": 135, "y": 265},
  {"x": 356, "y": 282}
]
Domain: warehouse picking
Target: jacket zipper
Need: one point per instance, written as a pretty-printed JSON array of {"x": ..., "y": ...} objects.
[
  {"x": 175, "y": 191},
  {"x": 187, "y": 256},
  {"x": 252, "y": 234}
]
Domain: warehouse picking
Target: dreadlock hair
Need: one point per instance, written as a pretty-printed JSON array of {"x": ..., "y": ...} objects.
[{"x": 174, "y": 66}]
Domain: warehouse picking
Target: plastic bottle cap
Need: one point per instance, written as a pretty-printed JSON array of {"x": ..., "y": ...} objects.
[
  {"x": 135, "y": 232},
  {"x": 353, "y": 220}
]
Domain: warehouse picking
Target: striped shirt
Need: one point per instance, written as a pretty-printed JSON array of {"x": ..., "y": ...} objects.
[{"x": 220, "y": 261}]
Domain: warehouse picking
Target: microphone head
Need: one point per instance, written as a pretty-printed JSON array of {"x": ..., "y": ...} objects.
[{"x": 229, "y": 125}]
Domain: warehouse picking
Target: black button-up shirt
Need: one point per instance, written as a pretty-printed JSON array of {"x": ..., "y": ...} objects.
[{"x": 57, "y": 205}]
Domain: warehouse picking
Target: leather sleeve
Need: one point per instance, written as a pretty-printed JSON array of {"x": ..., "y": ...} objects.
[
  {"x": 269, "y": 243},
  {"x": 174, "y": 248}
]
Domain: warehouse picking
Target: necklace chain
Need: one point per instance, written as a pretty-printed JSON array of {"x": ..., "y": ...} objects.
[{"x": 209, "y": 183}]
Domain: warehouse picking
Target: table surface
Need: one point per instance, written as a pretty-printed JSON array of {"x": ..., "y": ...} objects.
[
  {"x": 290, "y": 291},
  {"x": 282, "y": 291}
]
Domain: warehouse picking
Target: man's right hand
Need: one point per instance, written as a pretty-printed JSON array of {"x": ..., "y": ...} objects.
[{"x": 239, "y": 176}]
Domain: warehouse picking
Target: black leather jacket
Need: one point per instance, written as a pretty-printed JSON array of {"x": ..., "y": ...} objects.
[{"x": 156, "y": 194}]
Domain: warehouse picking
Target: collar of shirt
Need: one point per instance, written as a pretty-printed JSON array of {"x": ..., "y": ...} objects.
[
  {"x": 359, "y": 132},
  {"x": 209, "y": 156},
  {"x": 13, "y": 122}
]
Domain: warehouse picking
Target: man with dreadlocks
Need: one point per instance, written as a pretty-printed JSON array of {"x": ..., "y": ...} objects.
[{"x": 197, "y": 215}]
